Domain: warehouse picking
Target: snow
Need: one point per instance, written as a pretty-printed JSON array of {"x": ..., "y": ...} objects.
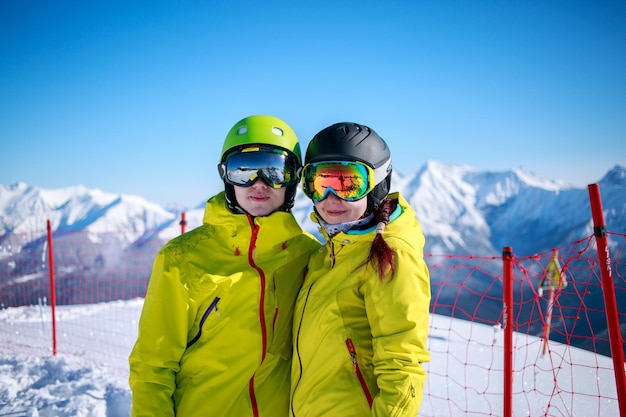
[
  {"x": 82, "y": 381},
  {"x": 79, "y": 380}
]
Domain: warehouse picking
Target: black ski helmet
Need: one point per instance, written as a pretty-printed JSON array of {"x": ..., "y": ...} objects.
[{"x": 347, "y": 141}]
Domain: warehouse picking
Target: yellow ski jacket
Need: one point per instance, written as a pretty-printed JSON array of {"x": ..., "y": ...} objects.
[
  {"x": 359, "y": 344},
  {"x": 215, "y": 330}
]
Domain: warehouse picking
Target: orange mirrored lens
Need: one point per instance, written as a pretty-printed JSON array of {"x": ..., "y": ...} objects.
[{"x": 347, "y": 180}]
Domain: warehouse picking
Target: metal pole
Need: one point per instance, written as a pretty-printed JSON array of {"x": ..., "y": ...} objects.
[
  {"x": 608, "y": 291},
  {"x": 507, "y": 321},
  {"x": 52, "y": 290},
  {"x": 183, "y": 222}
]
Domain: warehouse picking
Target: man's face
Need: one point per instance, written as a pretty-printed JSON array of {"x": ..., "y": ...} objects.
[{"x": 260, "y": 199}]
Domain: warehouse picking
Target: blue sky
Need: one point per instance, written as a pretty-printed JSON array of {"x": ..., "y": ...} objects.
[{"x": 137, "y": 97}]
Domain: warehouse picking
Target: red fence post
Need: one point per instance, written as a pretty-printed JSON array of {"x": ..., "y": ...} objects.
[
  {"x": 608, "y": 291},
  {"x": 52, "y": 290},
  {"x": 507, "y": 321},
  {"x": 183, "y": 222}
]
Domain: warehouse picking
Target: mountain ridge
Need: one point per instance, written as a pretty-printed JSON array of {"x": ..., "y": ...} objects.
[
  {"x": 105, "y": 243},
  {"x": 461, "y": 209}
]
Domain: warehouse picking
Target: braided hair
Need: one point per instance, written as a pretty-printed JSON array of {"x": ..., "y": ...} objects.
[{"x": 381, "y": 256}]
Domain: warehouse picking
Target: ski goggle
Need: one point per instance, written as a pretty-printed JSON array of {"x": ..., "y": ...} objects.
[
  {"x": 276, "y": 167},
  {"x": 348, "y": 180}
]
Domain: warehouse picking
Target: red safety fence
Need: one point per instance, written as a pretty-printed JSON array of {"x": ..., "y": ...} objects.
[{"x": 536, "y": 335}]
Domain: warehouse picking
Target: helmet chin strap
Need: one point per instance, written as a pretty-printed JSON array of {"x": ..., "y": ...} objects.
[
  {"x": 378, "y": 194},
  {"x": 231, "y": 200}
]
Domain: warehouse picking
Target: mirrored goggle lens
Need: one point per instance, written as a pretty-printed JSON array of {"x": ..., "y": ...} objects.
[
  {"x": 347, "y": 180},
  {"x": 272, "y": 165}
]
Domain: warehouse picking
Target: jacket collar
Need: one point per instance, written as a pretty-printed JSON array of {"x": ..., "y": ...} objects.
[{"x": 277, "y": 227}]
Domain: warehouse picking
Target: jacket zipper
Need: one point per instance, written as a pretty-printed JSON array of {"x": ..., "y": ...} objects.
[
  {"x": 407, "y": 397},
  {"x": 357, "y": 370},
  {"x": 251, "y": 252},
  {"x": 331, "y": 253},
  {"x": 208, "y": 311},
  {"x": 296, "y": 351}
]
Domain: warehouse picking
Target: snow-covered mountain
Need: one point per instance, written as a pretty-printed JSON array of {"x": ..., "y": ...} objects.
[{"x": 462, "y": 211}]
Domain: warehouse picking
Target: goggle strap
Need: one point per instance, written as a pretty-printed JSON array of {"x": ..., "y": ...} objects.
[
  {"x": 256, "y": 148},
  {"x": 381, "y": 172}
]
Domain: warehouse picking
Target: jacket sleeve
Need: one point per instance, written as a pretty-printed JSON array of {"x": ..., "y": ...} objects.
[
  {"x": 398, "y": 312},
  {"x": 162, "y": 337}
]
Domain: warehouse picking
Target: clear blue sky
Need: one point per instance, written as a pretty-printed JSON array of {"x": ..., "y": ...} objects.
[{"x": 137, "y": 96}]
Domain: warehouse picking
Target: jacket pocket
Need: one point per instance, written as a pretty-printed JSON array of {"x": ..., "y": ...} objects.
[
  {"x": 211, "y": 308},
  {"x": 285, "y": 287},
  {"x": 357, "y": 371}
]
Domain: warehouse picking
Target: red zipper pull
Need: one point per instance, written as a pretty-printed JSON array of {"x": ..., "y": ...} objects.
[{"x": 352, "y": 351}]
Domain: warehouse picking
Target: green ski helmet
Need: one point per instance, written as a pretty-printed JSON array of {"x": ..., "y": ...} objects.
[{"x": 267, "y": 131}]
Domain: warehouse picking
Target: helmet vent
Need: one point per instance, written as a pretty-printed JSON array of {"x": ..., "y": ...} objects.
[
  {"x": 242, "y": 130},
  {"x": 277, "y": 131}
]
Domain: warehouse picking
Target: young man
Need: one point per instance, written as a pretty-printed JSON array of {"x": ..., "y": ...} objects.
[{"x": 215, "y": 329}]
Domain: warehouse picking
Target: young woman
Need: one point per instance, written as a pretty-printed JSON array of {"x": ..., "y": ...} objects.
[{"x": 361, "y": 318}]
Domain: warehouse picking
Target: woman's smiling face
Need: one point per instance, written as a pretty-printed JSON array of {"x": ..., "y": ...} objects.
[{"x": 334, "y": 210}]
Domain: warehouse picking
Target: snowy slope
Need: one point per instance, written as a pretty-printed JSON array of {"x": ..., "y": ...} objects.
[{"x": 465, "y": 371}]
